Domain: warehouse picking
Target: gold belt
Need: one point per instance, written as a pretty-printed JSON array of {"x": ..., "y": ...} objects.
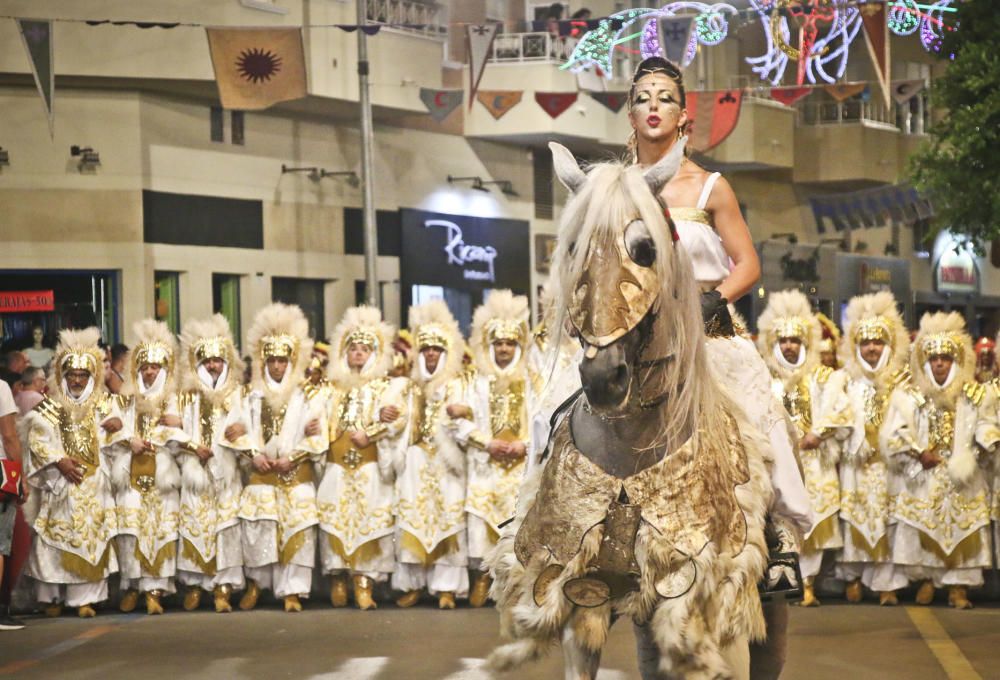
[
  {"x": 87, "y": 467},
  {"x": 143, "y": 471},
  {"x": 302, "y": 474},
  {"x": 343, "y": 453}
]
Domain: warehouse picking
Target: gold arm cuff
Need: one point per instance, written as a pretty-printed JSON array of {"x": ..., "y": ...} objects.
[
  {"x": 376, "y": 431},
  {"x": 479, "y": 440}
]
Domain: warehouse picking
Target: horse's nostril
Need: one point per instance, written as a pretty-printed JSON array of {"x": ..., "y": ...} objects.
[{"x": 621, "y": 373}]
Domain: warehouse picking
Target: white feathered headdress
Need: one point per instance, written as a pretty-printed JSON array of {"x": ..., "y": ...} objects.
[
  {"x": 504, "y": 316},
  {"x": 205, "y": 339},
  {"x": 789, "y": 315},
  {"x": 874, "y": 317},
  {"x": 154, "y": 344},
  {"x": 362, "y": 325},
  {"x": 77, "y": 349},
  {"x": 942, "y": 333},
  {"x": 433, "y": 326},
  {"x": 279, "y": 330}
]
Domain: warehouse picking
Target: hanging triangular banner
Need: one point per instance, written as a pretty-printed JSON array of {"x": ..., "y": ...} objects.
[
  {"x": 873, "y": 17},
  {"x": 843, "y": 91},
  {"x": 713, "y": 116},
  {"x": 256, "y": 68},
  {"x": 612, "y": 100},
  {"x": 479, "y": 41},
  {"x": 904, "y": 90},
  {"x": 789, "y": 95},
  {"x": 37, "y": 39},
  {"x": 440, "y": 103},
  {"x": 674, "y": 34},
  {"x": 555, "y": 103},
  {"x": 499, "y": 102}
]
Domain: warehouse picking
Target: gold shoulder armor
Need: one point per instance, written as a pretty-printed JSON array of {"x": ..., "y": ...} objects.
[
  {"x": 823, "y": 374},
  {"x": 974, "y": 392},
  {"x": 49, "y": 409}
]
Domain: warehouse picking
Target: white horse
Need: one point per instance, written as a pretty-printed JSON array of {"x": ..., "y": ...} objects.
[{"x": 650, "y": 498}]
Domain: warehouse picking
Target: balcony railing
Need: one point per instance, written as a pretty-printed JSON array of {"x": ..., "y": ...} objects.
[
  {"x": 531, "y": 47},
  {"x": 411, "y": 16},
  {"x": 851, "y": 111}
]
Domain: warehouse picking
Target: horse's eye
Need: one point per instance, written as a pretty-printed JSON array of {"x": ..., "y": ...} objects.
[
  {"x": 639, "y": 244},
  {"x": 572, "y": 248}
]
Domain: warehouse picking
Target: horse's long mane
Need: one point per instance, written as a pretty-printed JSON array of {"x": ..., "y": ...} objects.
[{"x": 612, "y": 196}]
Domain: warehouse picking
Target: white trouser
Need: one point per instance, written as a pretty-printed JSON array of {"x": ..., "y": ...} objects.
[
  {"x": 437, "y": 578},
  {"x": 810, "y": 563},
  {"x": 880, "y": 577},
  {"x": 282, "y": 579},
  {"x": 480, "y": 540},
  {"x": 377, "y": 566},
  {"x": 147, "y": 583},
  {"x": 971, "y": 577},
  {"x": 233, "y": 576},
  {"x": 73, "y": 594}
]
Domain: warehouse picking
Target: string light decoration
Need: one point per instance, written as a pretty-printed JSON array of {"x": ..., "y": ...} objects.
[{"x": 828, "y": 26}]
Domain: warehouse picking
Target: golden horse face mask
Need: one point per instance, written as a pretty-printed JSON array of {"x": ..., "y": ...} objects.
[{"x": 619, "y": 284}]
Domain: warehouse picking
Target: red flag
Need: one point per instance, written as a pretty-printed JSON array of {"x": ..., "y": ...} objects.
[
  {"x": 873, "y": 16},
  {"x": 713, "y": 116},
  {"x": 555, "y": 103},
  {"x": 789, "y": 95},
  {"x": 612, "y": 100}
]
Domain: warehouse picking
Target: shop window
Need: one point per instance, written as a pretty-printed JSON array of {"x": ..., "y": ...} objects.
[
  {"x": 226, "y": 300},
  {"x": 166, "y": 299},
  {"x": 307, "y": 294}
]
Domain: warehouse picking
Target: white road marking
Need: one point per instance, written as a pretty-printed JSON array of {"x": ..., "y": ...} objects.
[{"x": 365, "y": 668}]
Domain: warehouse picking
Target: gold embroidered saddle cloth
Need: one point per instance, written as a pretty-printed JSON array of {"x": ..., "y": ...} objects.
[{"x": 688, "y": 499}]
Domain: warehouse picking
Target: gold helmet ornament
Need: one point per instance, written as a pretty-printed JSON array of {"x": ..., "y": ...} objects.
[
  {"x": 943, "y": 334},
  {"x": 874, "y": 316},
  {"x": 279, "y": 330},
  {"x": 504, "y": 316},
  {"x": 203, "y": 339},
  {"x": 361, "y": 325},
  {"x": 155, "y": 344},
  {"x": 78, "y": 350},
  {"x": 433, "y": 325},
  {"x": 789, "y": 315}
]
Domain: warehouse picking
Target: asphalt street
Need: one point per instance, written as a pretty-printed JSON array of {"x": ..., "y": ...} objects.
[{"x": 833, "y": 642}]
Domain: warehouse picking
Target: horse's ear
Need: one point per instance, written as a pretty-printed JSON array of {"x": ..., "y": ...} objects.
[
  {"x": 567, "y": 169},
  {"x": 661, "y": 173}
]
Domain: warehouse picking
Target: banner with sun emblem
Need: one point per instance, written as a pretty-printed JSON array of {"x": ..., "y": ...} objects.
[{"x": 256, "y": 68}]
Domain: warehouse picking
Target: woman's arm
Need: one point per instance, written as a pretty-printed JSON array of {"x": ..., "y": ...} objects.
[{"x": 735, "y": 235}]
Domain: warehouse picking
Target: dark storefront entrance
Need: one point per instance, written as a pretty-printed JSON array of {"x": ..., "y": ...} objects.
[
  {"x": 460, "y": 258},
  {"x": 79, "y": 299}
]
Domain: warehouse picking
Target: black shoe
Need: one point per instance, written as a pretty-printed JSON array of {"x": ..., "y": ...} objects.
[{"x": 8, "y": 622}]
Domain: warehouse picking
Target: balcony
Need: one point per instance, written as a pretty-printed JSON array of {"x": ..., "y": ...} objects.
[
  {"x": 518, "y": 48},
  {"x": 874, "y": 113},
  {"x": 409, "y": 16},
  {"x": 764, "y": 137}
]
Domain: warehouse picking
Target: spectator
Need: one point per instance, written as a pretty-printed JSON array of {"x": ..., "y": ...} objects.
[
  {"x": 16, "y": 363},
  {"x": 115, "y": 378},
  {"x": 10, "y": 448},
  {"x": 32, "y": 389}
]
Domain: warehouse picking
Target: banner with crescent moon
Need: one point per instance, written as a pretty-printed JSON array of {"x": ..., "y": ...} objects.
[
  {"x": 555, "y": 103},
  {"x": 440, "y": 103},
  {"x": 843, "y": 91},
  {"x": 612, "y": 100},
  {"x": 712, "y": 117},
  {"x": 789, "y": 95},
  {"x": 499, "y": 102}
]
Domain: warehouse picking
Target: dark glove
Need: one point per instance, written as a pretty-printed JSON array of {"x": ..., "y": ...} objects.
[{"x": 715, "y": 314}]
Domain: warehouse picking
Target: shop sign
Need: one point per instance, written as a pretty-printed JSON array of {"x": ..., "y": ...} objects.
[
  {"x": 13, "y": 301},
  {"x": 956, "y": 272},
  {"x": 464, "y": 252},
  {"x": 874, "y": 278}
]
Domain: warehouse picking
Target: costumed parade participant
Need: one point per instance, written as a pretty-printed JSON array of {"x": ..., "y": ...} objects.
[
  {"x": 815, "y": 397},
  {"x": 986, "y": 360},
  {"x": 210, "y": 557},
  {"x": 876, "y": 353},
  {"x": 650, "y": 500},
  {"x": 714, "y": 235},
  {"x": 288, "y": 423},
  {"x": 70, "y": 433},
  {"x": 355, "y": 495},
  {"x": 941, "y": 508},
  {"x": 430, "y": 482},
  {"x": 988, "y": 436},
  {"x": 829, "y": 342},
  {"x": 144, "y": 475},
  {"x": 495, "y": 425}
]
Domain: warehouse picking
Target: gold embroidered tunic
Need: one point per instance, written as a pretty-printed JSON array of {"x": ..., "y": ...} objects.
[
  {"x": 75, "y": 522},
  {"x": 355, "y": 495},
  {"x": 818, "y": 405},
  {"x": 430, "y": 487},
  {"x": 950, "y": 517}
]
